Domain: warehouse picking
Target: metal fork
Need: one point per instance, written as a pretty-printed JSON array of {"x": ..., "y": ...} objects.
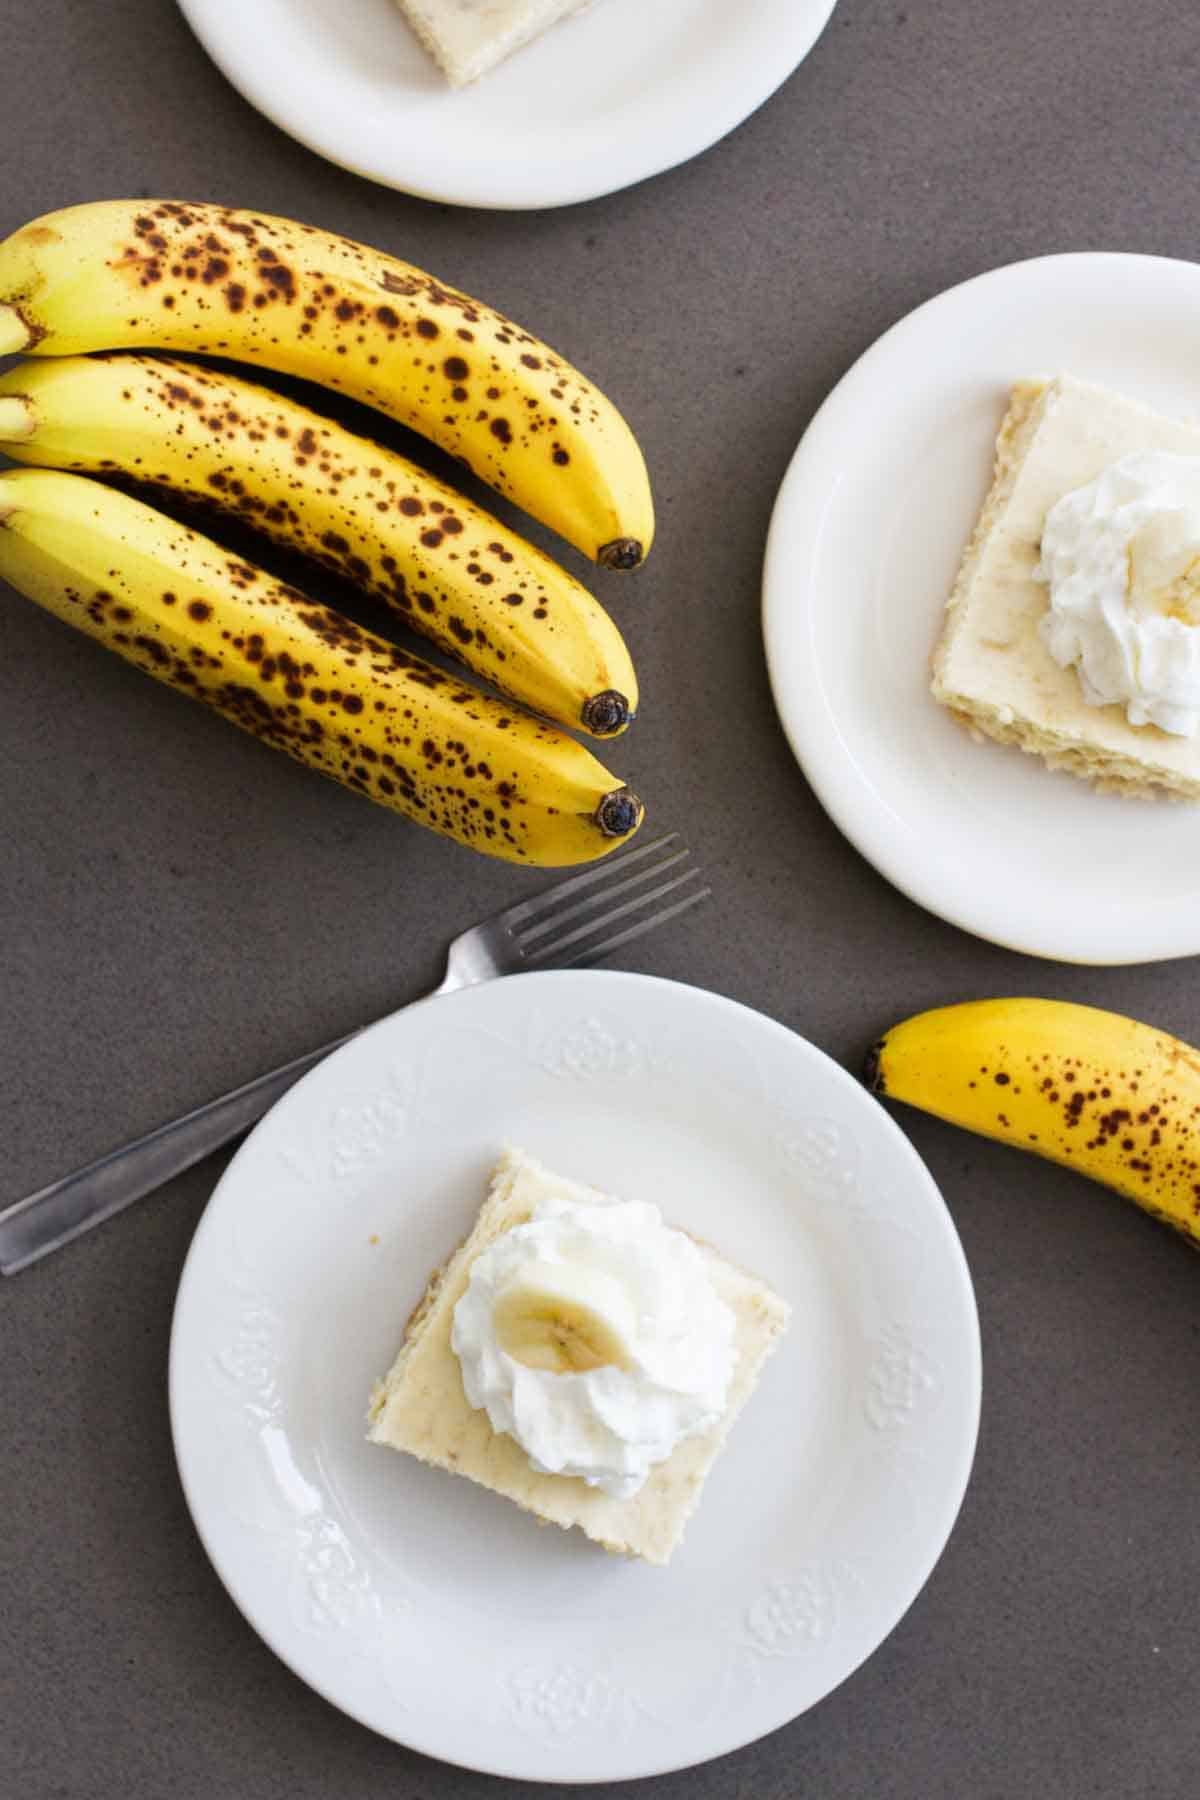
[{"x": 568, "y": 926}]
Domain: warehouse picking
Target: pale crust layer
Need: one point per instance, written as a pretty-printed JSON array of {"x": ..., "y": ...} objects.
[
  {"x": 420, "y": 1406},
  {"x": 990, "y": 667},
  {"x": 466, "y": 38}
]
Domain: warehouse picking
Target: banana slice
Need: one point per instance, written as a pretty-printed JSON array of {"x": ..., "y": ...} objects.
[{"x": 566, "y": 1319}]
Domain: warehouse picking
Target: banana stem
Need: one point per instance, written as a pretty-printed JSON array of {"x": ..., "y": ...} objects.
[
  {"x": 18, "y": 418},
  {"x": 15, "y": 333}
]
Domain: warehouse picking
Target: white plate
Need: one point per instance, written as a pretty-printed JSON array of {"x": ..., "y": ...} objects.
[
  {"x": 865, "y": 542},
  {"x": 441, "y": 1615},
  {"x": 623, "y": 91}
]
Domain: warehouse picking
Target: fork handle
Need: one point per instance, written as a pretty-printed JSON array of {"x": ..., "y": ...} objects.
[{"x": 44, "y": 1221}]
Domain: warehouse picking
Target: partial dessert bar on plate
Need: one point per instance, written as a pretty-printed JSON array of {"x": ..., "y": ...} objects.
[
  {"x": 421, "y": 1406},
  {"x": 991, "y": 666},
  {"x": 466, "y": 38}
]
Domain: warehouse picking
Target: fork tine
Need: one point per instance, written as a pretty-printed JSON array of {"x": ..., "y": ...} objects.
[
  {"x": 585, "y": 958},
  {"x": 565, "y": 914},
  {"x": 554, "y": 947},
  {"x": 537, "y": 904}
]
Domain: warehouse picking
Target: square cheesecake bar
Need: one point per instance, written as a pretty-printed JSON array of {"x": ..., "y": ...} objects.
[
  {"x": 421, "y": 1407},
  {"x": 466, "y": 38},
  {"x": 991, "y": 667}
]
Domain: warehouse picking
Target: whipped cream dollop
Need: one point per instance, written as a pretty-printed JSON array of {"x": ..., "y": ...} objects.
[
  {"x": 1121, "y": 557},
  {"x": 615, "y": 1272}
]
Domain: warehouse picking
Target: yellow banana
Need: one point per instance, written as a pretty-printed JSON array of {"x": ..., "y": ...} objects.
[
  {"x": 304, "y": 678},
  {"x": 448, "y": 568},
  {"x": 1117, "y": 1100},
  {"x": 175, "y": 275}
]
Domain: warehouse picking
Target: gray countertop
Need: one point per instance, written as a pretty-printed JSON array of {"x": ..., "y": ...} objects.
[{"x": 179, "y": 909}]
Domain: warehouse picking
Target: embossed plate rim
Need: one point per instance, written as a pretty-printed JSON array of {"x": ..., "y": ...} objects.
[{"x": 796, "y": 1608}]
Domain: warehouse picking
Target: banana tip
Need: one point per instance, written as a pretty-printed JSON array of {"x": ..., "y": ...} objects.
[
  {"x": 605, "y": 714},
  {"x": 18, "y": 419},
  {"x": 621, "y": 553},
  {"x": 16, "y": 331},
  {"x": 872, "y": 1069},
  {"x": 619, "y": 813}
]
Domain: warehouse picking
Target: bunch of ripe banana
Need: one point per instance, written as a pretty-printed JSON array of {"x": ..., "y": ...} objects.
[
  {"x": 1104, "y": 1094},
  {"x": 169, "y": 276}
]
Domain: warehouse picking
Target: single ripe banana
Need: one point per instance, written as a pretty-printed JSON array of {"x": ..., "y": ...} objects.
[
  {"x": 175, "y": 275},
  {"x": 450, "y": 570},
  {"x": 565, "y": 1318},
  {"x": 304, "y": 678},
  {"x": 1101, "y": 1093}
]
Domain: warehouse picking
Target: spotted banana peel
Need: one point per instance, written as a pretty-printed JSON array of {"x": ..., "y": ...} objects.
[
  {"x": 304, "y": 678},
  {"x": 192, "y": 276},
  {"x": 1101, "y": 1093},
  {"x": 448, "y": 568}
]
